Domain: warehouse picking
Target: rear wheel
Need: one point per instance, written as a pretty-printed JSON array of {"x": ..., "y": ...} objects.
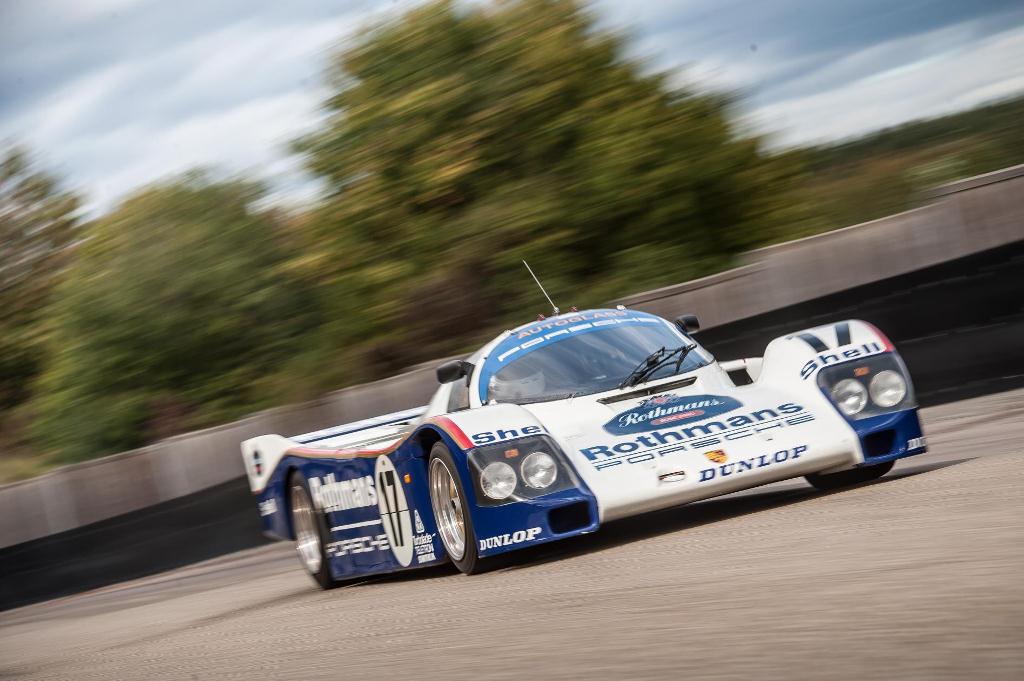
[
  {"x": 854, "y": 476},
  {"x": 451, "y": 513},
  {"x": 310, "y": 528}
]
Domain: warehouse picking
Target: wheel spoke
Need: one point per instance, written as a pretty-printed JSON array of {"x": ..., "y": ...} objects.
[
  {"x": 307, "y": 538},
  {"x": 444, "y": 494}
]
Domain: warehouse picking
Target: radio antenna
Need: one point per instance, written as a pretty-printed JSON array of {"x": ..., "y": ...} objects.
[{"x": 541, "y": 287}]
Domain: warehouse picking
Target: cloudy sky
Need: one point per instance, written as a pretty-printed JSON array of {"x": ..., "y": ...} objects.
[{"x": 117, "y": 93}]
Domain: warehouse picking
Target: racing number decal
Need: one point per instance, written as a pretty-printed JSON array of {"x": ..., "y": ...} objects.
[
  {"x": 386, "y": 481},
  {"x": 394, "y": 510}
]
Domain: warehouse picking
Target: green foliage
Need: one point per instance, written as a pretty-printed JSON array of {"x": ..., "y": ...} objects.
[
  {"x": 890, "y": 171},
  {"x": 175, "y": 314},
  {"x": 459, "y": 140},
  {"x": 37, "y": 230},
  {"x": 462, "y": 140}
]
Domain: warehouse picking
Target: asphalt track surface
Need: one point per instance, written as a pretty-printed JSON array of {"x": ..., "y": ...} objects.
[{"x": 917, "y": 576}]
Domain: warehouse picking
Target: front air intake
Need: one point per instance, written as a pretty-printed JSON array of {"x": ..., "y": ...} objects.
[
  {"x": 879, "y": 443},
  {"x": 570, "y": 517}
]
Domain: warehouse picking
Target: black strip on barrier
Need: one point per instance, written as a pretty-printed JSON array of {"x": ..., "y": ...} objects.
[{"x": 182, "y": 531}]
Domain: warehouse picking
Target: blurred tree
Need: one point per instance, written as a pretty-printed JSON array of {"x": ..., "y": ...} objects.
[
  {"x": 890, "y": 170},
  {"x": 462, "y": 139},
  {"x": 177, "y": 313},
  {"x": 37, "y": 231}
]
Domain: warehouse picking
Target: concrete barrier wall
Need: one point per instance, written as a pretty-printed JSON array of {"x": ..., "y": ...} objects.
[
  {"x": 96, "y": 490},
  {"x": 967, "y": 217}
]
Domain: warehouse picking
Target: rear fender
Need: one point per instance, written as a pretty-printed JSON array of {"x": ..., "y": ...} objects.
[
  {"x": 268, "y": 481},
  {"x": 261, "y": 455}
]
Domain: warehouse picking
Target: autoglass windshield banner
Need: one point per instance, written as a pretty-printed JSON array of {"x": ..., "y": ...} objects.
[{"x": 526, "y": 339}]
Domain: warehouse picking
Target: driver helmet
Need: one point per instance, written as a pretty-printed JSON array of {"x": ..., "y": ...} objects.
[{"x": 510, "y": 387}]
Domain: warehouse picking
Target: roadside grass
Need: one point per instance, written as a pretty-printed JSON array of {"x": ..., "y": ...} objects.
[{"x": 22, "y": 465}]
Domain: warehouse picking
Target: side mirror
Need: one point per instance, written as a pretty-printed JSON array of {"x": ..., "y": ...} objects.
[
  {"x": 454, "y": 370},
  {"x": 688, "y": 324}
]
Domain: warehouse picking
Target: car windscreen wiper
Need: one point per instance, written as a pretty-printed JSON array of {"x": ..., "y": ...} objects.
[{"x": 655, "y": 361}]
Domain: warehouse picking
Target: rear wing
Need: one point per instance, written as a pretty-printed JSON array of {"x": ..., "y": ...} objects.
[
  {"x": 335, "y": 432},
  {"x": 262, "y": 454}
]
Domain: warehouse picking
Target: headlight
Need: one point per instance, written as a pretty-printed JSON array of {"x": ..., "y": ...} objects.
[
  {"x": 539, "y": 470},
  {"x": 868, "y": 387},
  {"x": 850, "y": 396},
  {"x": 519, "y": 470},
  {"x": 887, "y": 388},
  {"x": 498, "y": 480}
]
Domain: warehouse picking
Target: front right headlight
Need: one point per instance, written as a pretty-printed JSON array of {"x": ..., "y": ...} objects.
[
  {"x": 498, "y": 480},
  {"x": 850, "y": 396},
  {"x": 519, "y": 470},
  {"x": 539, "y": 470}
]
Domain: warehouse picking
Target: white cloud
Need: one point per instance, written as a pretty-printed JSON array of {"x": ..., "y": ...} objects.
[
  {"x": 119, "y": 93},
  {"x": 936, "y": 82}
]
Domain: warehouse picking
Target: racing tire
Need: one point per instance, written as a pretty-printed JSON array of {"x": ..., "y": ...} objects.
[
  {"x": 310, "y": 529},
  {"x": 451, "y": 514},
  {"x": 854, "y": 476}
]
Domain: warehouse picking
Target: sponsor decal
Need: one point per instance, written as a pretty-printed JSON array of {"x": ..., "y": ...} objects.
[
  {"x": 423, "y": 543},
  {"x": 716, "y": 456},
  {"x": 569, "y": 324},
  {"x": 331, "y": 495},
  {"x": 517, "y": 537},
  {"x": 394, "y": 510},
  {"x": 501, "y": 434},
  {"x": 916, "y": 443},
  {"x": 659, "y": 443},
  {"x": 739, "y": 467},
  {"x": 668, "y": 410},
  {"x": 843, "y": 353},
  {"x": 366, "y": 544},
  {"x": 268, "y": 507}
]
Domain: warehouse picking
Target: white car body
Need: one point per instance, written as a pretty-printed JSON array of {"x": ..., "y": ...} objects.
[{"x": 833, "y": 403}]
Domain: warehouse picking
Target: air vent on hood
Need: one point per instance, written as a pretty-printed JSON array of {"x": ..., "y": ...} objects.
[{"x": 652, "y": 390}]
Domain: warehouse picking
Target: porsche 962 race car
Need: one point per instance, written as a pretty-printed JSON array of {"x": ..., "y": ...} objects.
[{"x": 563, "y": 424}]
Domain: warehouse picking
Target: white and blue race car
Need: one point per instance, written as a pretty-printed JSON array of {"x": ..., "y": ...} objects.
[{"x": 563, "y": 424}]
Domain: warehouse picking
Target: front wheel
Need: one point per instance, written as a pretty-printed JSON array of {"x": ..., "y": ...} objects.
[
  {"x": 451, "y": 513},
  {"x": 309, "y": 527},
  {"x": 854, "y": 476}
]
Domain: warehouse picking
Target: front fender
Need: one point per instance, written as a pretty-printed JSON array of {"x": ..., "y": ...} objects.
[
  {"x": 794, "y": 361},
  {"x": 521, "y": 523},
  {"x": 496, "y": 423},
  {"x": 796, "y": 358}
]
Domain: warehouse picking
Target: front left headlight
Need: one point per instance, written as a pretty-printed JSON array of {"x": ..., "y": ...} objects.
[
  {"x": 887, "y": 388},
  {"x": 868, "y": 387},
  {"x": 850, "y": 396}
]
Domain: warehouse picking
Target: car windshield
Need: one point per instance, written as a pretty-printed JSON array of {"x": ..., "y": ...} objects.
[{"x": 588, "y": 363}]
